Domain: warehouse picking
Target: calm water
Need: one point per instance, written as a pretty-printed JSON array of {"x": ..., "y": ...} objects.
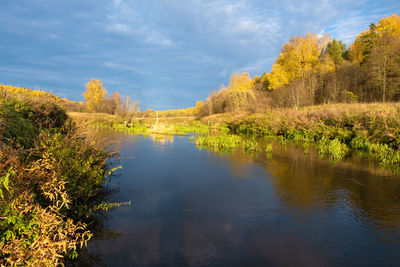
[{"x": 194, "y": 207}]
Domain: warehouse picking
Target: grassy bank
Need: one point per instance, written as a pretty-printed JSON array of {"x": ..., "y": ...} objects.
[
  {"x": 52, "y": 172},
  {"x": 172, "y": 125},
  {"x": 335, "y": 130}
]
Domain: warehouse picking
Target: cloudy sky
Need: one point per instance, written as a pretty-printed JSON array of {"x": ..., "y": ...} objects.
[{"x": 164, "y": 53}]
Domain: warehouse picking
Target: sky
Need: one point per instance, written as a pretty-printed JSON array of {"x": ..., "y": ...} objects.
[{"x": 166, "y": 54}]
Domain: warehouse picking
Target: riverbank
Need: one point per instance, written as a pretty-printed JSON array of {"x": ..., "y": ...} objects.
[
  {"x": 53, "y": 174},
  {"x": 336, "y": 131}
]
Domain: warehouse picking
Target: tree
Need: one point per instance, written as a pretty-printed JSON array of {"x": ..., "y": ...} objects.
[
  {"x": 383, "y": 67},
  {"x": 240, "y": 81},
  {"x": 129, "y": 107},
  {"x": 298, "y": 56},
  {"x": 113, "y": 103},
  {"x": 389, "y": 25},
  {"x": 362, "y": 46},
  {"x": 199, "y": 109},
  {"x": 336, "y": 49},
  {"x": 95, "y": 95}
]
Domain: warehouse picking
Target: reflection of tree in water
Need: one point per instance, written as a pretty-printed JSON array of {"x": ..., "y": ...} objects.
[
  {"x": 239, "y": 159},
  {"x": 305, "y": 182},
  {"x": 308, "y": 183},
  {"x": 162, "y": 138}
]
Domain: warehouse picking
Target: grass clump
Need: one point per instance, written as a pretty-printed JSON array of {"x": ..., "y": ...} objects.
[
  {"x": 219, "y": 141},
  {"x": 134, "y": 127},
  {"x": 332, "y": 149},
  {"x": 268, "y": 148},
  {"x": 251, "y": 145}
]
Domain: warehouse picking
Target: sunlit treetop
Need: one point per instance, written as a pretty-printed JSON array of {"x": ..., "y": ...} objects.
[
  {"x": 361, "y": 48},
  {"x": 241, "y": 81},
  {"x": 299, "y": 55}
]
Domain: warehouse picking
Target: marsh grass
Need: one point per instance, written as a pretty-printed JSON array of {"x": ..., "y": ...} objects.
[
  {"x": 332, "y": 149},
  {"x": 251, "y": 145},
  {"x": 269, "y": 148},
  {"x": 219, "y": 141}
]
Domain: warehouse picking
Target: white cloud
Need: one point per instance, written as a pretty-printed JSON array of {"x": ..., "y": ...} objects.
[
  {"x": 347, "y": 29},
  {"x": 118, "y": 28},
  {"x": 154, "y": 37},
  {"x": 125, "y": 67}
]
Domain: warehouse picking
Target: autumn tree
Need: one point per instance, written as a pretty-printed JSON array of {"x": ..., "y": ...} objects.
[
  {"x": 113, "y": 103},
  {"x": 376, "y": 50},
  {"x": 128, "y": 107},
  {"x": 362, "y": 47},
  {"x": 240, "y": 81},
  {"x": 389, "y": 25},
  {"x": 298, "y": 56},
  {"x": 383, "y": 67},
  {"x": 199, "y": 108},
  {"x": 95, "y": 95}
]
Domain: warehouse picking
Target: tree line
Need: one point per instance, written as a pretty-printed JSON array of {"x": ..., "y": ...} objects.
[
  {"x": 312, "y": 70},
  {"x": 96, "y": 101}
]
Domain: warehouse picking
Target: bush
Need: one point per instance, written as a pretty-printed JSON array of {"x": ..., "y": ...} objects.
[{"x": 51, "y": 173}]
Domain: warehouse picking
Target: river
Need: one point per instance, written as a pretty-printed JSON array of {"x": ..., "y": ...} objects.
[{"x": 196, "y": 207}]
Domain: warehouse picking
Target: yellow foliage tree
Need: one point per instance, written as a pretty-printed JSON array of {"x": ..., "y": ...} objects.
[
  {"x": 298, "y": 56},
  {"x": 241, "y": 81},
  {"x": 199, "y": 107},
  {"x": 362, "y": 47},
  {"x": 95, "y": 95},
  {"x": 389, "y": 25}
]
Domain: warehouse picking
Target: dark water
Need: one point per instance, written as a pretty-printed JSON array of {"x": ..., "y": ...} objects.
[{"x": 194, "y": 207}]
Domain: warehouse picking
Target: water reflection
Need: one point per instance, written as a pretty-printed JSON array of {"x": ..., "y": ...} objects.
[
  {"x": 231, "y": 208},
  {"x": 162, "y": 138},
  {"x": 305, "y": 182}
]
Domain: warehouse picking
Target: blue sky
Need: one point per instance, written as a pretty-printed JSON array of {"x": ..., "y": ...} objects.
[{"x": 165, "y": 53}]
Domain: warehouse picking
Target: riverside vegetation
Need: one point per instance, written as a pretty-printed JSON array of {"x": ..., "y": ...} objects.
[{"x": 53, "y": 172}]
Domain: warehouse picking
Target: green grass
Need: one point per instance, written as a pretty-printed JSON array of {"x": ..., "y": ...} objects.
[
  {"x": 219, "y": 141},
  {"x": 191, "y": 128},
  {"x": 332, "y": 149},
  {"x": 251, "y": 145}
]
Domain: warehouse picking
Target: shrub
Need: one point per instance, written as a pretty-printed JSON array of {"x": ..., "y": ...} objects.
[{"x": 51, "y": 172}]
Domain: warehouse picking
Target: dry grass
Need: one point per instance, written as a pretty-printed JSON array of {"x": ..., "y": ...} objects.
[{"x": 366, "y": 113}]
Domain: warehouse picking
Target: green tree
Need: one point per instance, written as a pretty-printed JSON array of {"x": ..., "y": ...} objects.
[
  {"x": 362, "y": 47},
  {"x": 336, "y": 49},
  {"x": 95, "y": 95}
]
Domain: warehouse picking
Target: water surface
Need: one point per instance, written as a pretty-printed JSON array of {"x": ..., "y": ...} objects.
[{"x": 195, "y": 207}]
